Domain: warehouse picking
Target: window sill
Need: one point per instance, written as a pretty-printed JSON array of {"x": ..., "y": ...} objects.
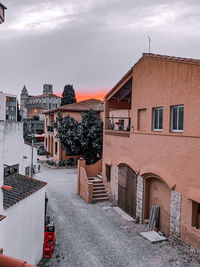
[
  {"x": 157, "y": 130},
  {"x": 176, "y": 131}
]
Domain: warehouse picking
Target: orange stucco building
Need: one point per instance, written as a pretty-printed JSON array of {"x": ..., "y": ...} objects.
[
  {"x": 151, "y": 156},
  {"x": 74, "y": 110}
]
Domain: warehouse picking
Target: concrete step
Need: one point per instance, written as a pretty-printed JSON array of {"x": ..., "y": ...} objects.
[
  {"x": 98, "y": 188},
  {"x": 99, "y": 195},
  {"x": 100, "y": 198},
  {"x": 99, "y": 176},
  {"x": 97, "y": 182},
  {"x": 99, "y": 192}
]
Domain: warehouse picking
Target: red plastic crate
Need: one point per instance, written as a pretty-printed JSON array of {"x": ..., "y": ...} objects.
[
  {"x": 48, "y": 249},
  {"x": 49, "y": 236}
]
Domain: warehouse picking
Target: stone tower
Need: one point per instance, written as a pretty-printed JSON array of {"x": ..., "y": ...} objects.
[
  {"x": 24, "y": 97},
  {"x": 47, "y": 89}
]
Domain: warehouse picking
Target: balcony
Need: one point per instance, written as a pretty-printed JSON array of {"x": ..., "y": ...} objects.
[
  {"x": 119, "y": 126},
  {"x": 50, "y": 129}
]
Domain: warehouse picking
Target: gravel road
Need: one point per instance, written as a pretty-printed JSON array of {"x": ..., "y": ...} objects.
[{"x": 89, "y": 236}]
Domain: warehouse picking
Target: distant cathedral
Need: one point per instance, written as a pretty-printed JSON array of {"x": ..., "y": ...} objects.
[{"x": 31, "y": 106}]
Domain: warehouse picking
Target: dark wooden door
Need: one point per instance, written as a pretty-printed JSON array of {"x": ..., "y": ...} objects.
[
  {"x": 131, "y": 193},
  {"x": 127, "y": 190}
]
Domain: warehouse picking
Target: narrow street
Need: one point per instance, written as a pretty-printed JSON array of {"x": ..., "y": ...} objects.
[{"x": 88, "y": 235}]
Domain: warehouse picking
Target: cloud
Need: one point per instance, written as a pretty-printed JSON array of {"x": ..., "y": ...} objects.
[{"x": 46, "y": 16}]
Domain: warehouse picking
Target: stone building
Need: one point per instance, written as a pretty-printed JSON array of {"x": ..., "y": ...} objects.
[
  {"x": 32, "y": 108},
  {"x": 35, "y": 105},
  {"x": 151, "y": 155}
]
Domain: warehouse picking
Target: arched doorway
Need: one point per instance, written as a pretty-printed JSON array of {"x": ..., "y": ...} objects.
[
  {"x": 157, "y": 192},
  {"x": 127, "y": 183}
]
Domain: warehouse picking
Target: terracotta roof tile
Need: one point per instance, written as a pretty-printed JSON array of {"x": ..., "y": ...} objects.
[
  {"x": 173, "y": 58},
  {"x": 22, "y": 187},
  {"x": 81, "y": 106}
]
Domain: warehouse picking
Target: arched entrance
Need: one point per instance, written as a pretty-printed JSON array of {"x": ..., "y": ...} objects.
[
  {"x": 157, "y": 192},
  {"x": 127, "y": 183}
]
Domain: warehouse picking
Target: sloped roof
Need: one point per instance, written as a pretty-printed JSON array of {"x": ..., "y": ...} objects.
[
  {"x": 81, "y": 106},
  {"x": 22, "y": 187},
  {"x": 3, "y": 6},
  {"x": 155, "y": 56}
]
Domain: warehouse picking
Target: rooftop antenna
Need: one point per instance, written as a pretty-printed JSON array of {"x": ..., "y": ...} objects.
[{"x": 149, "y": 44}]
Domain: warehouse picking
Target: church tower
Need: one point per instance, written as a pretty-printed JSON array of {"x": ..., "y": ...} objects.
[
  {"x": 24, "y": 98},
  {"x": 47, "y": 89}
]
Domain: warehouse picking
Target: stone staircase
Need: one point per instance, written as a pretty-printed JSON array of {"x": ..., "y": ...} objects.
[{"x": 99, "y": 191}]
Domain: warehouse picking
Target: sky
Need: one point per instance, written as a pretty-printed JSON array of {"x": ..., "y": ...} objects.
[{"x": 89, "y": 43}]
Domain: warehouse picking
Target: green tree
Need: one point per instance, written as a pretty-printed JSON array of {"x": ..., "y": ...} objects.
[
  {"x": 18, "y": 112},
  {"x": 68, "y": 95},
  {"x": 67, "y": 133},
  {"x": 91, "y": 136},
  {"x": 85, "y": 138}
]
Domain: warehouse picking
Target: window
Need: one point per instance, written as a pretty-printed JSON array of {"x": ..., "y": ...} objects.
[
  {"x": 142, "y": 123},
  {"x": 27, "y": 170},
  {"x": 56, "y": 147},
  {"x": 177, "y": 117},
  {"x": 195, "y": 214},
  {"x": 108, "y": 172},
  {"x": 157, "y": 119}
]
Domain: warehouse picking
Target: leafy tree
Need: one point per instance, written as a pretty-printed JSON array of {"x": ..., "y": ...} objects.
[
  {"x": 68, "y": 95},
  {"x": 18, "y": 112},
  {"x": 67, "y": 133},
  {"x": 91, "y": 136},
  {"x": 85, "y": 138}
]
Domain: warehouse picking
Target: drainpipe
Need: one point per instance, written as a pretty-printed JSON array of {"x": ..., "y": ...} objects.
[{"x": 32, "y": 155}]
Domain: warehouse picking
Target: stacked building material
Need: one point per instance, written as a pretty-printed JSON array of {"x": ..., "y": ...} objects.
[{"x": 154, "y": 218}]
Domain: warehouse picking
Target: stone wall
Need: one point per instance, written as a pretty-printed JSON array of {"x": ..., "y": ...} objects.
[
  {"x": 175, "y": 214},
  {"x": 139, "y": 199}
]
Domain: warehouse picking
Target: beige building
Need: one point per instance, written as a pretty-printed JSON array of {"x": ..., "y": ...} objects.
[
  {"x": 52, "y": 144},
  {"x": 154, "y": 158}
]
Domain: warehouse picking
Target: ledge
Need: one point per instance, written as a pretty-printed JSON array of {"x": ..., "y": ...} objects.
[
  {"x": 2, "y": 217},
  {"x": 117, "y": 133}
]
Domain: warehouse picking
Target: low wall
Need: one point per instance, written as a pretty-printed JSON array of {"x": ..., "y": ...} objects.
[
  {"x": 93, "y": 170},
  {"x": 84, "y": 187}
]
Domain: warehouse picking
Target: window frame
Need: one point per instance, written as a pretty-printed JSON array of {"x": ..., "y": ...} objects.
[
  {"x": 108, "y": 171},
  {"x": 153, "y": 121},
  {"x": 178, "y": 107}
]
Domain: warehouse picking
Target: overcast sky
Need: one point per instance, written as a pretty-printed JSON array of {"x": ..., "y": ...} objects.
[{"x": 89, "y": 43}]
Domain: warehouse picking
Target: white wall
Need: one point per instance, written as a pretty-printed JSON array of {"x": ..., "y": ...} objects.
[
  {"x": 27, "y": 153},
  {"x": 2, "y": 106},
  {"x": 14, "y": 144},
  {"x": 14, "y": 148},
  {"x": 24, "y": 228}
]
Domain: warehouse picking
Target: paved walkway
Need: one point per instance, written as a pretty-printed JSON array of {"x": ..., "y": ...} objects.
[{"x": 88, "y": 235}]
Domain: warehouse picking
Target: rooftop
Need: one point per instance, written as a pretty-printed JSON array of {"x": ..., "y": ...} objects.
[
  {"x": 81, "y": 106},
  {"x": 45, "y": 95},
  {"x": 22, "y": 187},
  {"x": 155, "y": 56}
]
